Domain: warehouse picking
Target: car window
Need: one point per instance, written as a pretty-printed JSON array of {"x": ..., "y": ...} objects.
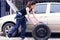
[
  {"x": 55, "y": 8},
  {"x": 40, "y": 8}
]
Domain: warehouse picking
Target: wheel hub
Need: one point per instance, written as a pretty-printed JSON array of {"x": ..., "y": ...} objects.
[{"x": 41, "y": 32}]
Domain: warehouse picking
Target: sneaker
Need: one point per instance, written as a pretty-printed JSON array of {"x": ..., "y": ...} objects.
[
  {"x": 22, "y": 38},
  {"x": 8, "y": 35},
  {"x": 26, "y": 38}
]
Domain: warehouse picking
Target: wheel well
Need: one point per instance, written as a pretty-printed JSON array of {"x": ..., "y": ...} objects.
[{"x": 6, "y": 23}]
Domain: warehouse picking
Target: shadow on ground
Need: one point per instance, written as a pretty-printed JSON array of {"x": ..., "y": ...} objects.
[{"x": 53, "y": 35}]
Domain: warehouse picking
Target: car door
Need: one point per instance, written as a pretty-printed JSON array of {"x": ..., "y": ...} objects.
[
  {"x": 54, "y": 17},
  {"x": 40, "y": 13}
]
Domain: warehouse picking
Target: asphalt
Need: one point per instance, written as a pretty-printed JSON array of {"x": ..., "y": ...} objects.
[
  {"x": 2, "y": 37},
  {"x": 18, "y": 38}
]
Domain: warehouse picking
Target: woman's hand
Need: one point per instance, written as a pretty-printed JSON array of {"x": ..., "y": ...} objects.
[
  {"x": 34, "y": 23},
  {"x": 39, "y": 21}
]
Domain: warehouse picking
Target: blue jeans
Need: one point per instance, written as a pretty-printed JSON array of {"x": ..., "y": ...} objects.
[{"x": 19, "y": 22}]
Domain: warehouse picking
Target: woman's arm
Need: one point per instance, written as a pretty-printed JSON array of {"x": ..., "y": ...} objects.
[
  {"x": 34, "y": 15},
  {"x": 28, "y": 14}
]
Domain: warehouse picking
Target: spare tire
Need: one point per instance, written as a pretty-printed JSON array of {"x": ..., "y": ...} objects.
[{"x": 41, "y": 31}]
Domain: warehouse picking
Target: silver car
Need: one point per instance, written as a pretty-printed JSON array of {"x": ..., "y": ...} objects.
[{"x": 48, "y": 13}]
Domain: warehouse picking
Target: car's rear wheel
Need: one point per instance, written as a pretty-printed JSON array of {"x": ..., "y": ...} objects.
[{"x": 7, "y": 27}]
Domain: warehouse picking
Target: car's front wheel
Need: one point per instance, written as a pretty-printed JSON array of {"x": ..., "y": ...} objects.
[{"x": 7, "y": 27}]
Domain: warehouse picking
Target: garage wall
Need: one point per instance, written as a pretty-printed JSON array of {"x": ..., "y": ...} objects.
[
  {"x": 4, "y": 7},
  {"x": 0, "y": 8}
]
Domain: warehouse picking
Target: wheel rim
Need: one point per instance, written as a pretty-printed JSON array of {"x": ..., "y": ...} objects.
[
  {"x": 41, "y": 32},
  {"x": 8, "y": 28}
]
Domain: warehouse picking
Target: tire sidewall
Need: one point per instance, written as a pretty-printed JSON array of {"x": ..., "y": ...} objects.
[{"x": 39, "y": 25}]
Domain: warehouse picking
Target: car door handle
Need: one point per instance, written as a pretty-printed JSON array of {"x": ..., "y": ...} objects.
[{"x": 43, "y": 17}]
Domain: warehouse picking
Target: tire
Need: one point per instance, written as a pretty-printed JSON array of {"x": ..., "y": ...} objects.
[
  {"x": 41, "y": 32},
  {"x": 7, "y": 27}
]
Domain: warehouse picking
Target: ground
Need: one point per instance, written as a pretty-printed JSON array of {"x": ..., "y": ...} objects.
[
  {"x": 2, "y": 37},
  {"x": 17, "y": 38}
]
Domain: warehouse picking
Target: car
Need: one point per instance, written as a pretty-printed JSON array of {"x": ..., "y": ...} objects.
[{"x": 48, "y": 13}]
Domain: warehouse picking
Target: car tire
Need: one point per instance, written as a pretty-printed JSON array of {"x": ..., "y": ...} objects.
[
  {"x": 7, "y": 27},
  {"x": 41, "y": 32}
]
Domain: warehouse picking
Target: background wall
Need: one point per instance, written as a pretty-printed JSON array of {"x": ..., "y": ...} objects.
[
  {"x": 0, "y": 8},
  {"x": 4, "y": 7}
]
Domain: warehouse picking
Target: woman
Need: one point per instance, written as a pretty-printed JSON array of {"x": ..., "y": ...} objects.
[{"x": 21, "y": 19}]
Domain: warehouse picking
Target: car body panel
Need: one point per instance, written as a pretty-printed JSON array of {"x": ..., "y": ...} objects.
[{"x": 54, "y": 22}]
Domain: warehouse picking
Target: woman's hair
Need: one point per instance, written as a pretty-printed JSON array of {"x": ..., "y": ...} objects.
[{"x": 29, "y": 3}]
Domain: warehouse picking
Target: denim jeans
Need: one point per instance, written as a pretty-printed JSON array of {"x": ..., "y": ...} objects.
[{"x": 19, "y": 22}]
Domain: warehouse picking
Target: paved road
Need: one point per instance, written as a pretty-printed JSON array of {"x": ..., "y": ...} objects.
[
  {"x": 17, "y": 38},
  {"x": 2, "y": 37}
]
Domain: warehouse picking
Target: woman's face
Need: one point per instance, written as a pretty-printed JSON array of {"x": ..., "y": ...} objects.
[{"x": 32, "y": 6}]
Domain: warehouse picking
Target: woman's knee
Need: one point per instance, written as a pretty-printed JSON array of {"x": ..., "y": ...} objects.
[
  {"x": 16, "y": 26},
  {"x": 23, "y": 28}
]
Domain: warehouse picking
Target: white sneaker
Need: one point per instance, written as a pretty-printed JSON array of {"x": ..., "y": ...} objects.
[
  {"x": 22, "y": 38},
  {"x": 26, "y": 39},
  {"x": 7, "y": 35}
]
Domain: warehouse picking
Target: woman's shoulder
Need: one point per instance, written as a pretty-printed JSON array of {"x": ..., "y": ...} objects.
[{"x": 27, "y": 8}]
